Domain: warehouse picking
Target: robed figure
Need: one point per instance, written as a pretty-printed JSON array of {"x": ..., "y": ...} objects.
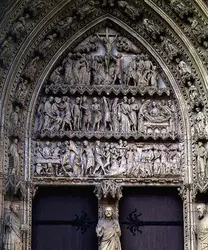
[
  {"x": 108, "y": 231},
  {"x": 13, "y": 232},
  {"x": 202, "y": 227}
]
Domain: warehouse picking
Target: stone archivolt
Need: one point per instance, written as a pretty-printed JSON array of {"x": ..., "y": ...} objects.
[{"x": 106, "y": 89}]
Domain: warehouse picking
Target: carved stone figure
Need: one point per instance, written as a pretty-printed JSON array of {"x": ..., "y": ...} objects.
[
  {"x": 153, "y": 29},
  {"x": 150, "y": 75},
  {"x": 193, "y": 93},
  {"x": 107, "y": 114},
  {"x": 77, "y": 114},
  {"x": 98, "y": 159},
  {"x": 36, "y": 6},
  {"x": 67, "y": 118},
  {"x": 117, "y": 68},
  {"x": 56, "y": 77},
  {"x": 64, "y": 25},
  {"x": 48, "y": 115},
  {"x": 201, "y": 160},
  {"x": 86, "y": 113},
  {"x": 5, "y": 50},
  {"x": 14, "y": 118},
  {"x": 21, "y": 90},
  {"x": 31, "y": 68},
  {"x": 129, "y": 10},
  {"x": 108, "y": 2},
  {"x": 115, "y": 115},
  {"x": 88, "y": 45},
  {"x": 202, "y": 227},
  {"x": 124, "y": 115},
  {"x": 133, "y": 114},
  {"x": 108, "y": 44},
  {"x": 68, "y": 69},
  {"x": 124, "y": 45},
  {"x": 97, "y": 115},
  {"x": 13, "y": 229},
  {"x": 85, "y": 10},
  {"x": 46, "y": 44},
  {"x": 169, "y": 48},
  {"x": 82, "y": 69},
  {"x": 200, "y": 122},
  {"x": 180, "y": 8},
  {"x": 19, "y": 27},
  {"x": 108, "y": 231},
  {"x": 15, "y": 159},
  {"x": 98, "y": 66},
  {"x": 90, "y": 159}
]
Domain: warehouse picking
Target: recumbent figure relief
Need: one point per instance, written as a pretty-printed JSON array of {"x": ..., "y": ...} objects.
[{"x": 98, "y": 158}]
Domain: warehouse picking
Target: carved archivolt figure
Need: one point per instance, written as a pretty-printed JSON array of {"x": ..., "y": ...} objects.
[
  {"x": 47, "y": 43},
  {"x": 153, "y": 29},
  {"x": 15, "y": 157},
  {"x": 202, "y": 227},
  {"x": 13, "y": 229},
  {"x": 130, "y": 10},
  {"x": 108, "y": 231},
  {"x": 170, "y": 48},
  {"x": 201, "y": 160}
]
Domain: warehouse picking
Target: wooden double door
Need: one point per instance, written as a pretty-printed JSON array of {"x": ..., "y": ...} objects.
[{"x": 65, "y": 218}]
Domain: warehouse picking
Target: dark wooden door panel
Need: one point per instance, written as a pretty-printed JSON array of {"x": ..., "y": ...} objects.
[
  {"x": 151, "y": 219},
  {"x": 65, "y": 218}
]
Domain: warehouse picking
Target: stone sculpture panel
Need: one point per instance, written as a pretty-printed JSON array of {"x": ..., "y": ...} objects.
[
  {"x": 95, "y": 115},
  {"x": 109, "y": 159}
]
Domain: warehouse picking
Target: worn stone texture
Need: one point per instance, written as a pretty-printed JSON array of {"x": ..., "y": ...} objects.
[{"x": 102, "y": 90}]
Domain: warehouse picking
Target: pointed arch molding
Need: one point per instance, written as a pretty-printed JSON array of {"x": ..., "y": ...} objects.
[
  {"x": 186, "y": 108},
  {"x": 78, "y": 36}
]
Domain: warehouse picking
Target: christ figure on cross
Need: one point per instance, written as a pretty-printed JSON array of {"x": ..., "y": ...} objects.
[{"x": 108, "y": 44}]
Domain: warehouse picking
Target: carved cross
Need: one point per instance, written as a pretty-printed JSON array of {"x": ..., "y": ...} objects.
[{"x": 108, "y": 44}]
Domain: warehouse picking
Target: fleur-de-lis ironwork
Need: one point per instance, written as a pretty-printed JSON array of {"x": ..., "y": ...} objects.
[
  {"x": 133, "y": 222},
  {"x": 81, "y": 222}
]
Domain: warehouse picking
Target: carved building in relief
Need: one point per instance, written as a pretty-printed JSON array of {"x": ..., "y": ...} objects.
[{"x": 106, "y": 94}]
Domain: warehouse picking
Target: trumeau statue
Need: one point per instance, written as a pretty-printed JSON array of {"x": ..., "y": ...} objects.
[
  {"x": 13, "y": 228},
  {"x": 108, "y": 231},
  {"x": 202, "y": 227}
]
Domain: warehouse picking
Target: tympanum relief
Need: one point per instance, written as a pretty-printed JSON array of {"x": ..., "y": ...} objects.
[
  {"x": 95, "y": 115},
  {"x": 106, "y": 61},
  {"x": 86, "y": 158},
  {"x": 104, "y": 95}
]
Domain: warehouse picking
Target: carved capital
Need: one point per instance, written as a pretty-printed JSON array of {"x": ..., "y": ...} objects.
[
  {"x": 108, "y": 188},
  {"x": 187, "y": 189}
]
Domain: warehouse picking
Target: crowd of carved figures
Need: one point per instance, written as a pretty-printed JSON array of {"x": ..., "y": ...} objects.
[
  {"x": 98, "y": 158},
  {"x": 98, "y": 114},
  {"x": 84, "y": 69}
]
